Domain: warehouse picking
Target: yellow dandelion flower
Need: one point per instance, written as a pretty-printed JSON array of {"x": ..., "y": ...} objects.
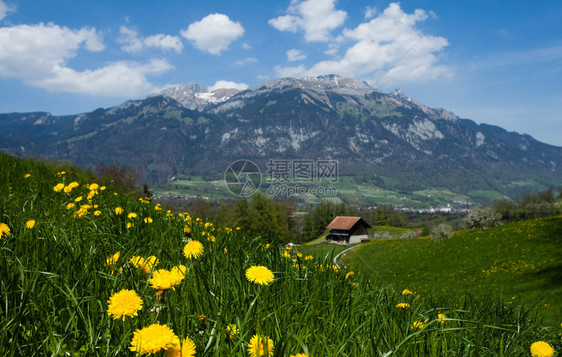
[
  {"x": 186, "y": 229},
  {"x": 113, "y": 259},
  {"x": 308, "y": 257},
  {"x": 124, "y": 303},
  {"x": 118, "y": 211},
  {"x": 406, "y": 292},
  {"x": 59, "y": 187},
  {"x": 73, "y": 184},
  {"x": 541, "y": 349},
  {"x": 4, "y": 230},
  {"x": 67, "y": 189},
  {"x": 26, "y": 175},
  {"x": 349, "y": 275},
  {"x": 232, "y": 331},
  {"x": 237, "y": 228},
  {"x": 70, "y": 205},
  {"x": 158, "y": 207},
  {"x": 403, "y": 305},
  {"x": 102, "y": 188},
  {"x": 180, "y": 270},
  {"x": 259, "y": 274},
  {"x": 82, "y": 211},
  {"x": 286, "y": 254},
  {"x": 185, "y": 348},
  {"x": 260, "y": 346},
  {"x": 153, "y": 339},
  {"x": 30, "y": 224},
  {"x": 416, "y": 325},
  {"x": 299, "y": 255},
  {"x": 129, "y": 225},
  {"x": 78, "y": 199},
  {"x": 148, "y": 220},
  {"x": 132, "y": 215},
  {"x": 301, "y": 355},
  {"x": 225, "y": 250},
  {"x": 146, "y": 265},
  {"x": 163, "y": 279},
  {"x": 94, "y": 186},
  {"x": 193, "y": 249},
  {"x": 97, "y": 212},
  {"x": 212, "y": 239},
  {"x": 441, "y": 317}
]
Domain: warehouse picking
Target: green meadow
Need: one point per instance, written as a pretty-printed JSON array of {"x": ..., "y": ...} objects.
[
  {"x": 519, "y": 263},
  {"x": 60, "y": 276}
]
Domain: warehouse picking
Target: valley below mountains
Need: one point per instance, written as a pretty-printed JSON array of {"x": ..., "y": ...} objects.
[{"x": 383, "y": 139}]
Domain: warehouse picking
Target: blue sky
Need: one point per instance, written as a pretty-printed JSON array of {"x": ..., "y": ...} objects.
[{"x": 496, "y": 62}]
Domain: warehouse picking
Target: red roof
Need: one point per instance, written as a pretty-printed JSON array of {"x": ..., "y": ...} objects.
[{"x": 345, "y": 222}]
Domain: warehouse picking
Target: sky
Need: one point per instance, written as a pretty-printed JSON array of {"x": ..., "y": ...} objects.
[{"x": 495, "y": 62}]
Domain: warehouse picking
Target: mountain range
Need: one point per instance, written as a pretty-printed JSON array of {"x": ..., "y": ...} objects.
[{"x": 386, "y": 139}]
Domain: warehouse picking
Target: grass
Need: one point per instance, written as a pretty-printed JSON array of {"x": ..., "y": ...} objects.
[
  {"x": 518, "y": 263},
  {"x": 55, "y": 286}
]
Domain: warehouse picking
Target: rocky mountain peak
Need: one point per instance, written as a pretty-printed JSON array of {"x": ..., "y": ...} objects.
[{"x": 195, "y": 96}]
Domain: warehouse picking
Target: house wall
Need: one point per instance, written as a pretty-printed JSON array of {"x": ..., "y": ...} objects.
[{"x": 357, "y": 238}]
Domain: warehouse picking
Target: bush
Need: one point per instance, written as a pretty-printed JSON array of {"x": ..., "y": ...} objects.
[
  {"x": 482, "y": 218},
  {"x": 442, "y": 231}
]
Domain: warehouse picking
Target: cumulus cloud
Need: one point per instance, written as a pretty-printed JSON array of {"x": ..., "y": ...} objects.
[
  {"x": 295, "y": 55},
  {"x": 132, "y": 43},
  {"x": 39, "y": 54},
  {"x": 5, "y": 9},
  {"x": 389, "y": 46},
  {"x": 214, "y": 33},
  {"x": 228, "y": 84},
  {"x": 317, "y": 18}
]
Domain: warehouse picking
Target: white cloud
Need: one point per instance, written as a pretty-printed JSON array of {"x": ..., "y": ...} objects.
[
  {"x": 295, "y": 55},
  {"x": 370, "y": 12},
  {"x": 228, "y": 84},
  {"x": 123, "y": 78},
  {"x": 38, "y": 55},
  {"x": 317, "y": 18},
  {"x": 130, "y": 40},
  {"x": 5, "y": 9},
  {"x": 132, "y": 43},
  {"x": 389, "y": 42},
  {"x": 214, "y": 33},
  {"x": 246, "y": 61},
  {"x": 298, "y": 71}
]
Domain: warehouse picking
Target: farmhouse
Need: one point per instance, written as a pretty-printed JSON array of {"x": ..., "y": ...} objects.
[{"x": 347, "y": 230}]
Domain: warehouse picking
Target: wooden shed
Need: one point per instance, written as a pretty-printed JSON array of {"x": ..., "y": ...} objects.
[{"x": 347, "y": 230}]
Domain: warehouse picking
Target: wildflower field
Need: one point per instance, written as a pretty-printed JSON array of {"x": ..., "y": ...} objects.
[
  {"x": 86, "y": 271},
  {"x": 518, "y": 263}
]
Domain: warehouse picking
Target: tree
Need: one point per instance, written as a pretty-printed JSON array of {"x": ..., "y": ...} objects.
[
  {"x": 442, "y": 231},
  {"x": 482, "y": 218},
  {"x": 320, "y": 216}
]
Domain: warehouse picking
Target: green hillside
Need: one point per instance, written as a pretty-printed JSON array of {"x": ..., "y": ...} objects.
[
  {"x": 86, "y": 271},
  {"x": 521, "y": 262}
]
